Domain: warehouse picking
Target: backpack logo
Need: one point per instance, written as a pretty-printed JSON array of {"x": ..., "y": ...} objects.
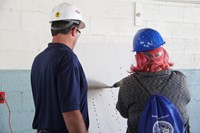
[{"x": 162, "y": 127}]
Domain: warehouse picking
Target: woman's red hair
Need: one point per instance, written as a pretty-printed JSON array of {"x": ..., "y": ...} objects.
[{"x": 151, "y": 61}]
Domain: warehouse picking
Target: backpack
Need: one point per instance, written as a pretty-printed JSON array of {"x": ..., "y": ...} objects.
[{"x": 160, "y": 115}]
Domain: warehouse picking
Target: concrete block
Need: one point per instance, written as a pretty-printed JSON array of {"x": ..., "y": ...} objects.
[
  {"x": 171, "y": 13},
  {"x": 197, "y": 61},
  {"x": 151, "y": 11},
  {"x": 43, "y": 39},
  {"x": 3, "y": 108},
  {"x": 109, "y": 39},
  {"x": 183, "y": 30},
  {"x": 15, "y": 80},
  {"x": 14, "y": 99},
  {"x": 190, "y": 14},
  {"x": 4, "y": 122},
  {"x": 164, "y": 28},
  {"x": 90, "y": 39},
  {"x": 35, "y": 5},
  {"x": 127, "y": 40},
  {"x": 178, "y": 45},
  {"x": 10, "y": 20},
  {"x": 125, "y": 27},
  {"x": 197, "y": 29},
  {"x": 10, "y": 59},
  {"x": 35, "y": 21},
  {"x": 192, "y": 46},
  {"x": 104, "y": 26},
  {"x": 95, "y": 8},
  {"x": 177, "y": 59},
  {"x": 194, "y": 126},
  {"x": 26, "y": 131},
  {"x": 22, "y": 121},
  {"x": 27, "y": 59},
  {"x": 11, "y": 5},
  {"x": 118, "y": 9},
  {"x": 18, "y": 40},
  {"x": 27, "y": 101}
]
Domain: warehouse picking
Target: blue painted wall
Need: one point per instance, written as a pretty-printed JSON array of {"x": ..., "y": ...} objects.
[
  {"x": 16, "y": 84},
  {"x": 193, "y": 77}
]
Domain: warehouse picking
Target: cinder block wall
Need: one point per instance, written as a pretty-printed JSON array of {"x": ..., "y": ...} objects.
[
  {"x": 103, "y": 48},
  {"x": 24, "y": 28}
]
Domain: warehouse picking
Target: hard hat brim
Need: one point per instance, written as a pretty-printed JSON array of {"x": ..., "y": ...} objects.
[{"x": 82, "y": 25}]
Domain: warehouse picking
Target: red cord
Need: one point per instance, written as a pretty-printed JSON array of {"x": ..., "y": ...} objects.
[{"x": 9, "y": 116}]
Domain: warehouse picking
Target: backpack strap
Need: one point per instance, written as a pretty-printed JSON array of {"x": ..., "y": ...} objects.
[
  {"x": 145, "y": 88},
  {"x": 187, "y": 127},
  {"x": 141, "y": 84}
]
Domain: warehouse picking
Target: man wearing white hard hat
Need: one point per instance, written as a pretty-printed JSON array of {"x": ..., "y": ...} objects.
[{"x": 59, "y": 85}]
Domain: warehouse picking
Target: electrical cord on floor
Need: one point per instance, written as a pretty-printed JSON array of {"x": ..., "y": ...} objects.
[{"x": 9, "y": 115}]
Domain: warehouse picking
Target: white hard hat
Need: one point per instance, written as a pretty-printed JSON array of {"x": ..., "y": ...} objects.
[{"x": 65, "y": 11}]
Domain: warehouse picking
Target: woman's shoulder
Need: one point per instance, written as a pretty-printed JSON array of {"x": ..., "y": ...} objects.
[
  {"x": 178, "y": 73},
  {"x": 129, "y": 80}
]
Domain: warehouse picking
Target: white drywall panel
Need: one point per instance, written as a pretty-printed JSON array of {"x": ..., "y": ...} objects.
[{"x": 104, "y": 118}]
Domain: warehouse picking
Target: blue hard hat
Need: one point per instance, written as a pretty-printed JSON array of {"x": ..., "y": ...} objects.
[{"x": 147, "y": 39}]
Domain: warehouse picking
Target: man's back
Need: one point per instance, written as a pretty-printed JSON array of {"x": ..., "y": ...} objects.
[{"x": 58, "y": 85}]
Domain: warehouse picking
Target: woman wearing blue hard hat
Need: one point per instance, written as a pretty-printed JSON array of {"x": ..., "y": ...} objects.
[{"x": 151, "y": 73}]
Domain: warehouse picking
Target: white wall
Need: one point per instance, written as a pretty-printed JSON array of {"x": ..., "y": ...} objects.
[
  {"x": 104, "y": 46},
  {"x": 24, "y": 31}
]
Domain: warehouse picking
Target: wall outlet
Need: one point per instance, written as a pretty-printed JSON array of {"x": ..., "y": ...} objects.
[{"x": 2, "y": 96}]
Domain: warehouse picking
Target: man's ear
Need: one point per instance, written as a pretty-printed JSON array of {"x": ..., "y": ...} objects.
[{"x": 73, "y": 31}]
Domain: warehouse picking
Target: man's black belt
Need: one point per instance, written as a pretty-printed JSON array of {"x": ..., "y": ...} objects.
[{"x": 42, "y": 131}]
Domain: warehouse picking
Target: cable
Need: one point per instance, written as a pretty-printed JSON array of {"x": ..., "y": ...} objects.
[{"x": 9, "y": 116}]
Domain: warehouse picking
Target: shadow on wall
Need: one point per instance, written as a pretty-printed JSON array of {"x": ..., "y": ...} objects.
[{"x": 95, "y": 85}]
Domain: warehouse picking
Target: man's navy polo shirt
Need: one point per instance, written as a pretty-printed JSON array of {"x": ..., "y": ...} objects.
[{"x": 58, "y": 85}]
